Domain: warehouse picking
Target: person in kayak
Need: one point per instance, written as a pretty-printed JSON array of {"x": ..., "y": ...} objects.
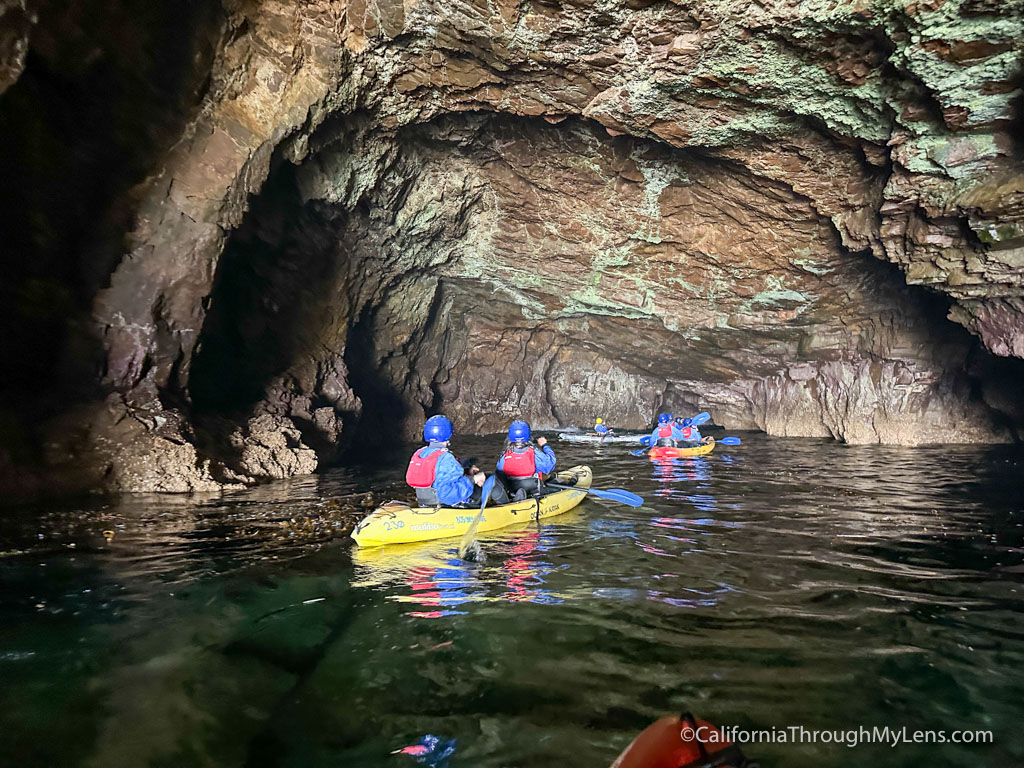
[
  {"x": 600, "y": 428},
  {"x": 524, "y": 463},
  {"x": 439, "y": 478},
  {"x": 690, "y": 434},
  {"x": 666, "y": 433}
]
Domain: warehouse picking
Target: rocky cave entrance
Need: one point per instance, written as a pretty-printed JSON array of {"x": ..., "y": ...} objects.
[
  {"x": 495, "y": 266},
  {"x": 337, "y": 223}
]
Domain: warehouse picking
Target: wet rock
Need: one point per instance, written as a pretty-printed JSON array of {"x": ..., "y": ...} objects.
[
  {"x": 271, "y": 447},
  {"x": 557, "y": 211},
  {"x": 121, "y": 448},
  {"x": 15, "y": 25}
]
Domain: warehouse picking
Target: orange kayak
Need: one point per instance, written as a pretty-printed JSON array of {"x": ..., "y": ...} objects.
[{"x": 681, "y": 742}]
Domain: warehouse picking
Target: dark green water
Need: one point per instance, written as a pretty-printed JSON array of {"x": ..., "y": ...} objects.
[{"x": 783, "y": 582}]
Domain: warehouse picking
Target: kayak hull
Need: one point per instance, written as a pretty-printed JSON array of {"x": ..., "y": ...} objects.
[
  {"x": 588, "y": 437},
  {"x": 398, "y": 523},
  {"x": 668, "y": 452}
]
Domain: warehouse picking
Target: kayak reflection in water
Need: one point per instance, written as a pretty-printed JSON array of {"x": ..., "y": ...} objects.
[
  {"x": 431, "y": 751},
  {"x": 439, "y": 589},
  {"x": 682, "y": 742},
  {"x": 670, "y": 470}
]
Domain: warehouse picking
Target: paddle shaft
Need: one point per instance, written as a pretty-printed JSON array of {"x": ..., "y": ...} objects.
[
  {"x": 620, "y": 495},
  {"x": 467, "y": 537}
]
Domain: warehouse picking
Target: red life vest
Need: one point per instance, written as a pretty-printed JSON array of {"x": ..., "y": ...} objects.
[
  {"x": 520, "y": 464},
  {"x": 420, "y": 473},
  {"x": 687, "y": 431},
  {"x": 665, "y": 431}
]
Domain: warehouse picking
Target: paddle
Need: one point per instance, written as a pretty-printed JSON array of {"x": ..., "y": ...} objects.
[
  {"x": 611, "y": 494},
  {"x": 467, "y": 537},
  {"x": 729, "y": 441}
]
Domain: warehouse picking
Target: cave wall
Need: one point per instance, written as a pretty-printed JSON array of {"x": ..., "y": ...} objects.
[
  {"x": 505, "y": 267},
  {"x": 557, "y": 208}
]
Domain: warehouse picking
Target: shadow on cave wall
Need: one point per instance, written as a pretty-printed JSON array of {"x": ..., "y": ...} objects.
[
  {"x": 281, "y": 275},
  {"x": 384, "y": 410},
  {"x": 985, "y": 377},
  {"x": 277, "y": 274},
  {"x": 103, "y": 95}
]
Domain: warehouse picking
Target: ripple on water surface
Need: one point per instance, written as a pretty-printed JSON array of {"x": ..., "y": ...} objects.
[{"x": 778, "y": 583}]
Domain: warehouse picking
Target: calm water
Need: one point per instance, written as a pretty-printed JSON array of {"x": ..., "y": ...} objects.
[{"x": 782, "y": 582}]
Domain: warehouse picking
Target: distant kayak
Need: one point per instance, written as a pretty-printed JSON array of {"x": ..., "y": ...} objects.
[
  {"x": 591, "y": 437},
  {"x": 398, "y": 523},
  {"x": 668, "y": 452}
]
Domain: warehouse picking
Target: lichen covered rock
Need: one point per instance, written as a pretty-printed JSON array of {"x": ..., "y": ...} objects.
[{"x": 563, "y": 209}]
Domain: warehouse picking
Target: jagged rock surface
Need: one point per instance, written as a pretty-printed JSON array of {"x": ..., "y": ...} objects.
[{"x": 552, "y": 209}]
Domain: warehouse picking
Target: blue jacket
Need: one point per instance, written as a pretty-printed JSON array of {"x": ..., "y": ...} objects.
[
  {"x": 543, "y": 457},
  {"x": 676, "y": 434},
  {"x": 450, "y": 480},
  {"x": 600, "y": 429}
]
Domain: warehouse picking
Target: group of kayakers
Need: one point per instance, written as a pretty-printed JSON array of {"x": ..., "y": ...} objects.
[
  {"x": 673, "y": 430},
  {"x": 440, "y": 479}
]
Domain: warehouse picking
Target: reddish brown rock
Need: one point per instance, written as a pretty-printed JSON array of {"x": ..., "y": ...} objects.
[{"x": 382, "y": 209}]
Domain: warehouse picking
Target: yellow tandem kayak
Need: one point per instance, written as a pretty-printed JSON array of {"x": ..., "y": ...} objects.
[{"x": 398, "y": 523}]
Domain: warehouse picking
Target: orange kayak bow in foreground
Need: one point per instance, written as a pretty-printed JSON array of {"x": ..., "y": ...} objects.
[{"x": 682, "y": 742}]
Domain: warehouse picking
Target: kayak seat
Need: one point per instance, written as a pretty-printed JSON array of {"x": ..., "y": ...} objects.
[
  {"x": 427, "y": 497},
  {"x": 527, "y": 484}
]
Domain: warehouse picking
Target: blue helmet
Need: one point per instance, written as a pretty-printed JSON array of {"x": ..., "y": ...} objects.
[
  {"x": 519, "y": 431},
  {"x": 438, "y": 429},
  {"x": 687, "y": 422},
  {"x": 665, "y": 418}
]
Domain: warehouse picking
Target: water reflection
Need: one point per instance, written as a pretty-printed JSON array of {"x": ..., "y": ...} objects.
[
  {"x": 788, "y": 582},
  {"x": 672, "y": 473},
  {"x": 433, "y": 577}
]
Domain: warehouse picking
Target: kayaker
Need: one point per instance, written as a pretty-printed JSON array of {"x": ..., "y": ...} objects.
[
  {"x": 666, "y": 433},
  {"x": 439, "y": 478},
  {"x": 524, "y": 463},
  {"x": 689, "y": 432},
  {"x": 600, "y": 428}
]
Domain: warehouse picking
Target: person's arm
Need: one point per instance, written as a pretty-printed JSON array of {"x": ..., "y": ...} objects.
[
  {"x": 451, "y": 483},
  {"x": 544, "y": 457}
]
